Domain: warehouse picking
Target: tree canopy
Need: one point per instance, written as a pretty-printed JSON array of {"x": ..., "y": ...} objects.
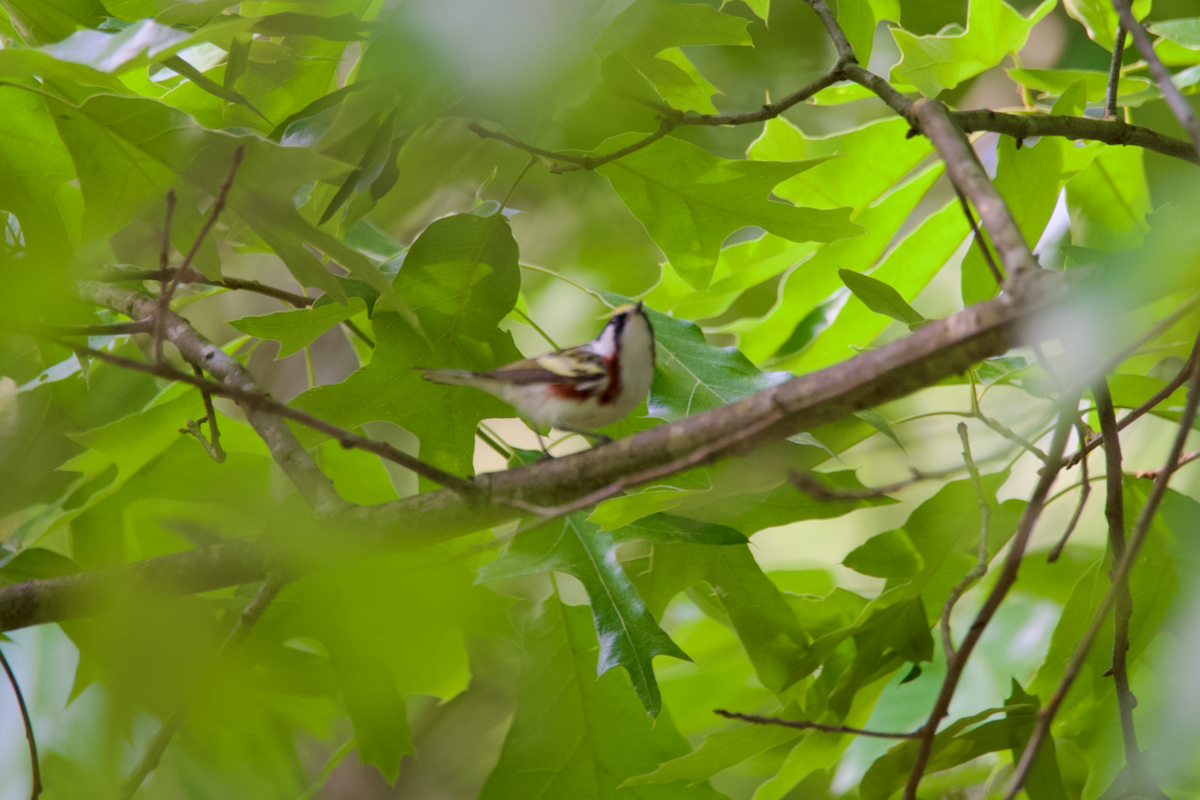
[{"x": 900, "y": 516}]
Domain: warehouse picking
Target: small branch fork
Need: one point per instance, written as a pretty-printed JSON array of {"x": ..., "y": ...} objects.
[
  {"x": 263, "y": 402},
  {"x": 754, "y": 719},
  {"x": 33, "y": 754}
]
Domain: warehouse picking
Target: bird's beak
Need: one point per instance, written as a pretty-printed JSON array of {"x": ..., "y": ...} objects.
[{"x": 639, "y": 305}]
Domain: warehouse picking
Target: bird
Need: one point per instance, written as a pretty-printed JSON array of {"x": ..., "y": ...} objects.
[{"x": 577, "y": 389}]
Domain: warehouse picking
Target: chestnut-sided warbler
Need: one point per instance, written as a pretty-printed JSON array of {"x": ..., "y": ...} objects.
[{"x": 577, "y": 389}]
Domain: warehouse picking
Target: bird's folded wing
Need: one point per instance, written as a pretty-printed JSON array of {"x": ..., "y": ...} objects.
[{"x": 566, "y": 367}]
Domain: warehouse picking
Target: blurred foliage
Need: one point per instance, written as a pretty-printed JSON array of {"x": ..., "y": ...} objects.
[{"x": 762, "y": 250}]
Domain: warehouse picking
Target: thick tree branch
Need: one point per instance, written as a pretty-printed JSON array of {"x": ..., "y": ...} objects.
[
  {"x": 1174, "y": 98},
  {"x": 1120, "y": 574},
  {"x": 968, "y": 176},
  {"x": 285, "y": 448},
  {"x": 1004, "y": 582},
  {"x": 1025, "y": 126},
  {"x": 936, "y": 350},
  {"x": 1114, "y": 512}
]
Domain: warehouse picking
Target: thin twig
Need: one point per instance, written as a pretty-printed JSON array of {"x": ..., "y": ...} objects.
[
  {"x": 983, "y": 247},
  {"x": 981, "y": 561},
  {"x": 1159, "y": 396},
  {"x": 1004, "y": 431},
  {"x": 212, "y": 445},
  {"x": 844, "y": 50},
  {"x": 164, "y": 300},
  {"x": 357, "y": 331},
  {"x": 1085, "y": 491},
  {"x": 115, "y": 329},
  {"x": 1114, "y": 75},
  {"x": 264, "y": 402},
  {"x": 1174, "y": 98},
  {"x": 754, "y": 719},
  {"x": 241, "y": 629},
  {"x": 191, "y": 275},
  {"x": 35, "y": 769},
  {"x": 1114, "y": 512},
  {"x": 1004, "y": 582},
  {"x": 1140, "y": 529},
  {"x": 1152, "y": 474}
]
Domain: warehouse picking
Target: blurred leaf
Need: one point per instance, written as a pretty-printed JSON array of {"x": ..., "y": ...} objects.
[
  {"x": 690, "y": 201},
  {"x": 340, "y": 28},
  {"x": 1057, "y": 81},
  {"x": 857, "y": 19},
  {"x": 575, "y": 735},
  {"x": 629, "y": 636},
  {"x": 42, "y": 22},
  {"x": 295, "y": 330},
  {"x": 888, "y": 555},
  {"x": 462, "y": 275},
  {"x": 944, "y": 60},
  {"x": 1109, "y": 200}
]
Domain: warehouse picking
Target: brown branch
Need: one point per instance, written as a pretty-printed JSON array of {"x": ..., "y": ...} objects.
[
  {"x": 1025, "y": 126},
  {"x": 1114, "y": 512},
  {"x": 981, "y": 563},
  {"x": 1085, "y": 491},
  {"x": 1114, "y": 75},
  {"x": 1153, "y": 474},
  {"x": 768, "y": 111},
  {"x": 241, "y": 629},
  {"x": 116, "y": 329},
  {"x": 1140, "y": 529},
  {"x": 312, "y": 484},
  {"x": 1170, "y": 92},
  {"x": 1004, "y": 582},
  {"x": 35, "y": 768},
  {"x": 968, "y": 176},
  {"x": 191, "y": 275},
  {"x": 259, "y": 400},
  {"x": 213, "y": 444},
  {"x": 164, "y": 299},
  {"x": 987, "y": 252},
  {"x": 840, "y": 42},
  {"x": 1159, "y": 396},
  {"x": 754, "y": 719},
  {"x": 935, "y": 351},
  {"x": 164, "y": 254}
]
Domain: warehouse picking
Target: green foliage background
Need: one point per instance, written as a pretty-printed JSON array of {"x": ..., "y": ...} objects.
[{"x": 582, "y": 659}]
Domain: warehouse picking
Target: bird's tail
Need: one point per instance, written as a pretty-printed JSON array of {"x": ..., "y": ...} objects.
[{"x": 449, "y": 377}]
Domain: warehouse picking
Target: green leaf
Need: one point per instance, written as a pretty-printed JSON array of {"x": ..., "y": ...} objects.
[
  {"x": 1100, "y": 18},
  {"x": 944, "y": 60},
  {"x": 629, "y": 636},
  {"x": 33, "y": 164},
  {"x": 339, "y": 28},
  {"x": 1109, "y": 200},
  {"x": 1183, "y": 32},
  {"x": 879, "y": 297},
  {"x": 462, "y": 275},
  {"x": 1058, "y": 81},
  {"x": 379, "y": 713},
  {"x": 295, "y": 330},
  {"x": 51, "y": 21},
  {"x": 888, "y": 555},
  {"x": 575, "y": 735},
  {"x": 646, "y": 36},
  {"x": 857, "y": 19},
  {"x": 690, "y": 201},
  {"x": 809, "y": 286}
]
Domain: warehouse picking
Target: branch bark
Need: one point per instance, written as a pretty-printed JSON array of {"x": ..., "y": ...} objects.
[
  {"x": 312, "y": 484},
  {"x": 935, "y": 351}
]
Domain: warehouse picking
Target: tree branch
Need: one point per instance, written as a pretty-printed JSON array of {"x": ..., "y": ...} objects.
[
  {"x": 968, "y": 176},
  {"x": 754, "y": 719},
  {"x": 1170, "y": 92},
  {"x": 1114, "y": 75},
  {"x": 1004, "y": 582},
  {"x": 35, "y": 769},
  {"x": 1140, "y": 530},
  {"x": 935, "y": 351},
  {"x": 1025, "y": 126},
  {"x": 1114, "y": 512},
  {"x": 313, "y": 485}
]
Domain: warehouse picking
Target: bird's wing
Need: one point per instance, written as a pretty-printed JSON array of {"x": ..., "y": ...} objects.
[{"x": 575, "y": 365}]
